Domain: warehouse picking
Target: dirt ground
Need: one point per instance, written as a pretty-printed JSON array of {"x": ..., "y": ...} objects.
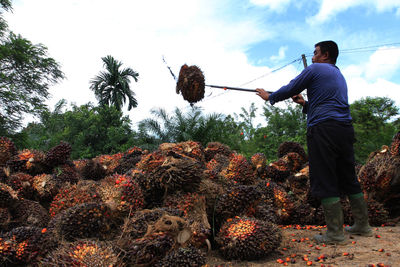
[{"x": 298, "y": 249}]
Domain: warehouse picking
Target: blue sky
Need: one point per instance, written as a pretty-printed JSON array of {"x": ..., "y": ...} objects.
[{"x": 233, "y": 42}]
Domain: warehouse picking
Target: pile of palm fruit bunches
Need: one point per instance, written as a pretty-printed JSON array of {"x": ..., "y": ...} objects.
[{"x": 167, "y": 207}]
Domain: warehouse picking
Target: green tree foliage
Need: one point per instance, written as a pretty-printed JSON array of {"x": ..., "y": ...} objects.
[
  {"x": 26, "y": 72},
  {"x": 375, "y": 124},
  {"x": 90, "y": 130},
  {"x": 193, "y": 125},
  {"x": 283, "y": 124},
  {"x": 111, "y": 87}
]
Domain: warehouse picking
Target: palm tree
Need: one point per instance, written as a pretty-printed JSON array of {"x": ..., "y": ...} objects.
[
  {"x": 179, "y": 127},
  {"x": 111, "y": 87}
]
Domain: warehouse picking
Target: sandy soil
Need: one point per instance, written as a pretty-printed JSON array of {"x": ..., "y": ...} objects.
[{"x": 298, "y": 249}]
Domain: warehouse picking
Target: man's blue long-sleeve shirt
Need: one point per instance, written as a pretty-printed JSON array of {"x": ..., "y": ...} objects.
[{"x": 326, "y": 92}]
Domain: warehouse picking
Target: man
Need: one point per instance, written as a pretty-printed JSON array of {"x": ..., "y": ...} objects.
[{"x": 330, "y": 138}]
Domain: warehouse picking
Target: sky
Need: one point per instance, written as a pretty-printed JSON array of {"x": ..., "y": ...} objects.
[{"x": 235, "y": 43}]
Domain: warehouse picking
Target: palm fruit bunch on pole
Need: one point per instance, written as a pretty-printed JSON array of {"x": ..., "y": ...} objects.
[
  {"x": 7, "y": 150},
  {"x": 184, "y": 257},
  {"x": 82, "y": 253},
  {"x": 191, "y": 83},
  {"x": 244, "y": 238}
]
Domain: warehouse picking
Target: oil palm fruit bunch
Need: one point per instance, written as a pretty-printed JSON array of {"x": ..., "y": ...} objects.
[
  {"x": 7, "y": 150},
  {"x": 244, "y": 238},
  {"x": 278, "y": 171},
  {"x": 5, "y": 219},
  {"x": 184, "y": 257},
  {"x": 152, "y": 191},
  {"x": 28, "y": 161},
  {"x": 259, "y": 162},
  {"x": 72, "y": 195},
  {"x": 129, "y": 160},
  {"x": 67, "y": 173},
  {"x": 395, "y": 145},
  {"x": 29, "y": 213},
  {"x": 46, "y": 186},
  {"x": 283, "y": 201},
  {"x": 237, "y": 200},
  {"x": 377, "y": 213},
  {"x": 121, "y": 193},
  {"x": 109, "y": 162},
  {"x": 264, "y": 211},
  {"x": 136, "y": 226},
  {"x": 303, "y": 214},
  {"x": 215, "y": 166},
  {"x": 294, "y": 161},
  {"x": 89, "y": 253},
  {"x": 191, "y": 83},
  {"x": 193, "y": 206},
  {"x": 151, "y": 161},
  {"x": 25, "y": 245},
  {"x": 299, "y": 182},
  {"x": 378, "y": 176},
  {"x": 8, "y": 196},
  {"x": 239, "y": 170},
  {"x": 22, "y": 183},
  {"x": 211, "y": 191},
  {"x": 190, "y": 149},
  {"x": 178, "y": 174},
  {"x": 90, "y": 169},
  {"x": 87, "y": 220},
  {"x": 58, "y": 154},
  {"x": 148, "y": 250},
  {"x": 214, "y": 148},
  {"x": 289, "y": 146}
]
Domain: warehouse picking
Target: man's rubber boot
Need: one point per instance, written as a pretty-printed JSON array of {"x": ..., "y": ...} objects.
[
  {"x": 361, "y": 226},
  {"x": 334, "y": 223}
]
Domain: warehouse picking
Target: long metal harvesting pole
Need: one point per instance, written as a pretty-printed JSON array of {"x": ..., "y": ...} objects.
[{"x": 233, "y": 88}]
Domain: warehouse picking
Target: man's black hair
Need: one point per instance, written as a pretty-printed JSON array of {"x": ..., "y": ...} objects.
[{"x": 331, "y": 47}]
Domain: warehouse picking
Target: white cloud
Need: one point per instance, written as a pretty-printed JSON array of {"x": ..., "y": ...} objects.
[
  {"x": 281, "y": 54},
  {"x": 329, "y": 8},
  {"x": 373, "y": 77},
  {"x": 275, "y": 5}
]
